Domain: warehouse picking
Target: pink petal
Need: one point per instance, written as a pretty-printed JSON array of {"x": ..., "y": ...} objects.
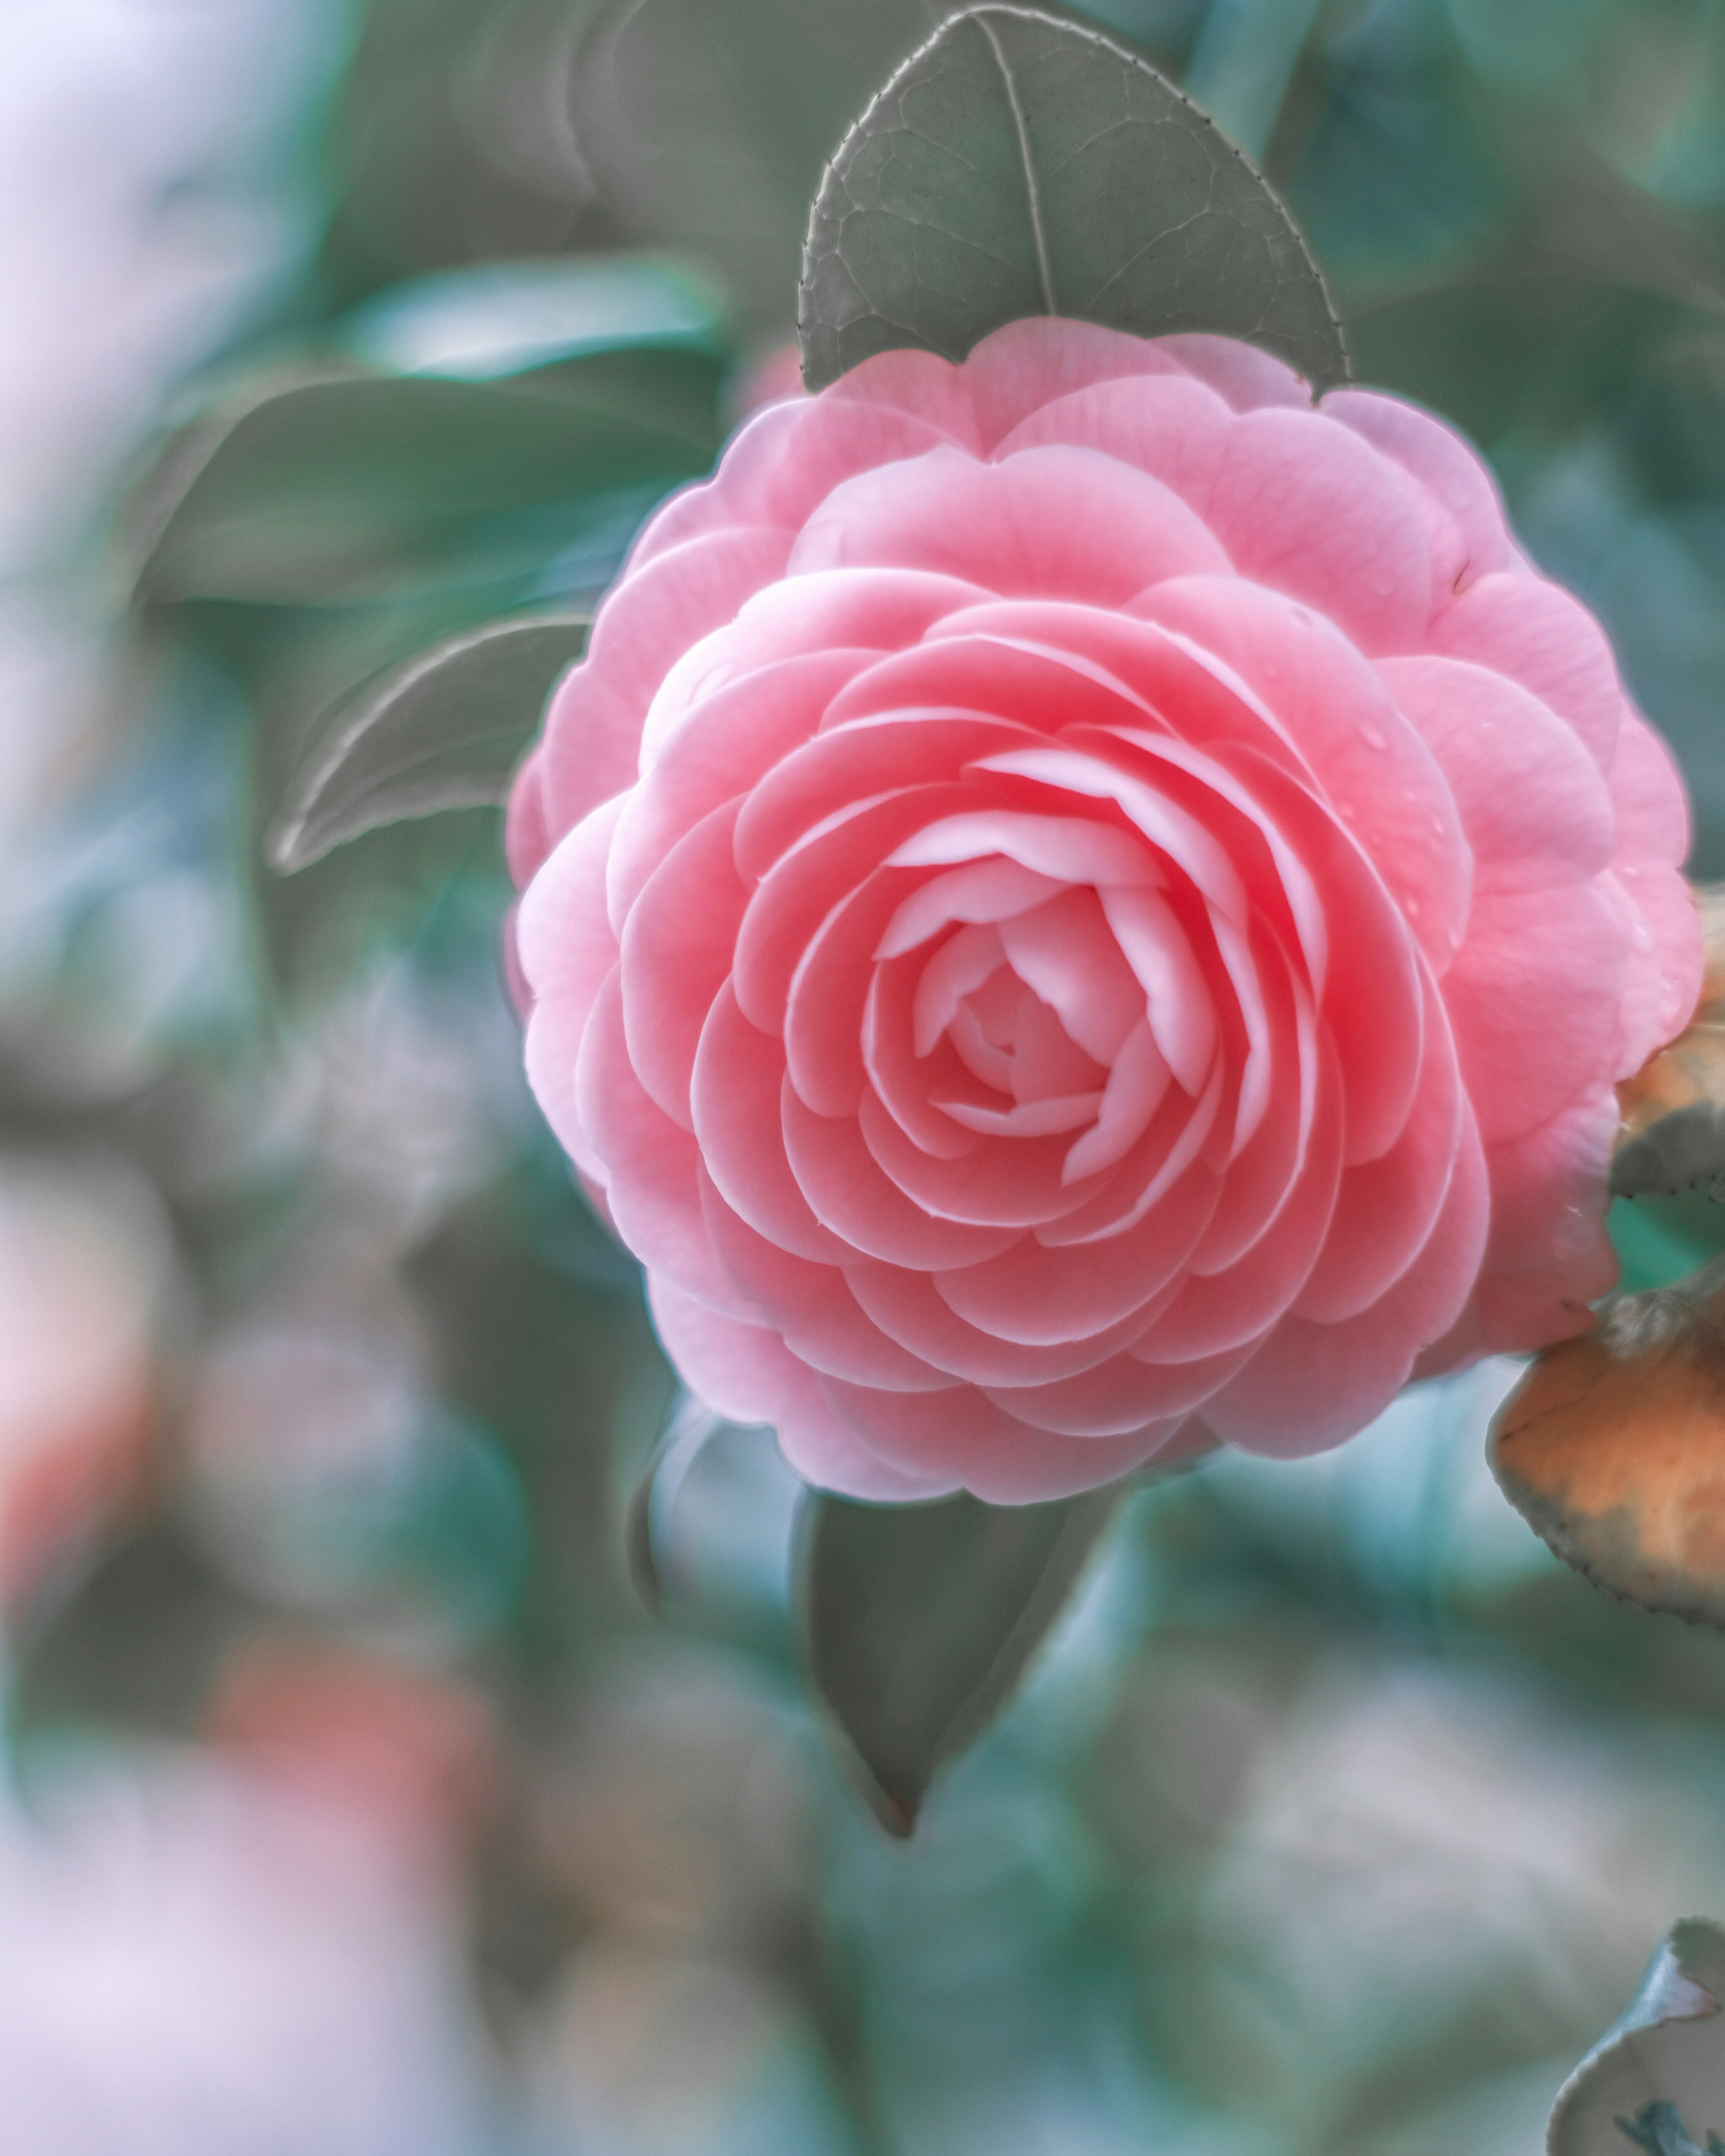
[
  {"x": 739, "y": 1078},
  {"x": 904, "y": 1303},
  {"x": 1457, "y": 480},
  {"x": 1050, "y": 523},
  {"x": 1376, "y": 772},
  {"x": 746, "y": 1373},
  {"x": 831, "y": 773},
  {"x": 1533, "y": 998},
  {"x": 1311, "y": 1386},
  {"x": 652, "y": 1167},
  {"x": 567, "y": 953},
  {"x": 811, "y": 1306},
  {"x": 1533, "y": 801},
  {"x": 1386, "y": 1207},
  {"x": 1120, "y": 1395},
  {"x": 593, "y": 725},
  {"x": 1248, "y": 378},
  {"x": 1001, "y": 1460},
  {"x": 677, "y": 948},
  {"x": 1037, "y": 1296},
  {"x": 849, "y": 1194},
  {"x": 1518, "y": 624},
  {"x": 1173, "y": 427},
  {"x": 1137, "y": 1086},
  {"x": 1304, "y": 506},
  {"x": 723, "y": 746}
]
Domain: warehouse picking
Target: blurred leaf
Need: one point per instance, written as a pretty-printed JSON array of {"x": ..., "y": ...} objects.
[
  {"x": 706, "y": 123},
  {"x": 1019, "y": 165},
  {"x": 1662, "y": 2062},
  {"x": 324, "y": 487},
  {"x": 445, "y": 730},
  {"x": 1581, "y": 214},
  {"x": 687, "y": 1429},
  {"x": 503, "y": 318},
  {"x": 918, "y": 1621},
  {"x": 1613, "y": 1448},
  {"x": 1674, "y": 1108}
]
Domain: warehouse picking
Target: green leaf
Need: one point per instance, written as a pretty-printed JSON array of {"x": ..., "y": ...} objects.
[
  {"x": 918, "y": 1621},
  {"x": 443, "y": 730},
  {"x": 506, "y": 318},
  {"x": 706, "y": 123},
  {"x": 320, "y": 486},
  {"x": 1660, "y": 2065},
  {"x": 686, "y": 1430},
  {"x": 1016, "y": 165}
]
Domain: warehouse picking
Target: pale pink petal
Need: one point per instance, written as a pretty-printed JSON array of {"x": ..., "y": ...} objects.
[
  {"x": 1533, "y": 997},
  {"x": 1004, "y": 1461},
  {"x": 1533, "y": 804},
  {"x": 1518, "y": 624},
  {"x": 652, "y": 1167},
  {"x": 677, "y": 948},
  {"x": 1304, "y": 506},
  {"x": 1120, "y": 1395},
  {"x": 849, "y": 1193},
  {"x": 746, "y": 1373},
  {"x": 724, "y": 746},
  {"x": 1311, "y": 1386},
  {"x": 738, "y": 1078},
  {"x": 1456, "y": 480},
  {"x": 905, "y": 1303},
  {"x": 1009, "y": 526},
  {"x": 566, "y": 953},
  {"x": 1376, "y": 772},
  {"x": 1248, "y": 379},
  {"x": 593, "y": 724},
  {"x": 812, "y": 1308}
]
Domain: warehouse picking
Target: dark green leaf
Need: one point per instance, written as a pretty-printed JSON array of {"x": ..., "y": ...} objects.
[
  {"x": 1661, "y": 2065},
  {"x": 443, "y": 730},
  {"x": 706, "y": 123},
  {"x": 1019, "y": 165},
  {"x": 919, "y": 1621},
  {"x": 320, "y": 487}
]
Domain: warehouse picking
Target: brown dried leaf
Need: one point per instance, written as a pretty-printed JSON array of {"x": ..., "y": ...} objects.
[{"x": 1613, "y": 1448}]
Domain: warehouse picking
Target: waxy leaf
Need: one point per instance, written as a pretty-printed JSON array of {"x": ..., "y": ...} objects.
[
  {"x": 327, "y": 485},
  {"x": 1613, "y": 1448},
  {"x": 1656, "y": 2080},
  {"x": 443, "y": 730},
  {"x": 918, "y": 1621},
  {"x": 1673, "y": 1134},
  {"x": 1017, "y": 165}
]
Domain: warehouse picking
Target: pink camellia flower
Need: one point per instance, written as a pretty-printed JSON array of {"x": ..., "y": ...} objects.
[{"x": 1081, "y": 906}]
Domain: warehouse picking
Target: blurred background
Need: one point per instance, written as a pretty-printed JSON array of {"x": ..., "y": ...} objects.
[{"x": 353, "y": 1806}]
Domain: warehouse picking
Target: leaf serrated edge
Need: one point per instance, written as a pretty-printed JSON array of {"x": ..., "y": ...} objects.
[{"x": 830, "y": 173}]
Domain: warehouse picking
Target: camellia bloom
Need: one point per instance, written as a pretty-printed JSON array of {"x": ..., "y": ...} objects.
[{"x": 1081, "y": 906}]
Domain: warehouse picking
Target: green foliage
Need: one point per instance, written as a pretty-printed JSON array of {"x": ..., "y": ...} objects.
[
  {"x": 1017, "y": 165},
  {"x": 707, "y": 126},
  {"x": 318, "y": 488},
  {"x": 919, "y": 1621},
  {"x": 443, "y": 731}
]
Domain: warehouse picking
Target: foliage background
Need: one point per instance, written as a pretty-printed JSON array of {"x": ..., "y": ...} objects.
[{"x": 355, "y": 1806}]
